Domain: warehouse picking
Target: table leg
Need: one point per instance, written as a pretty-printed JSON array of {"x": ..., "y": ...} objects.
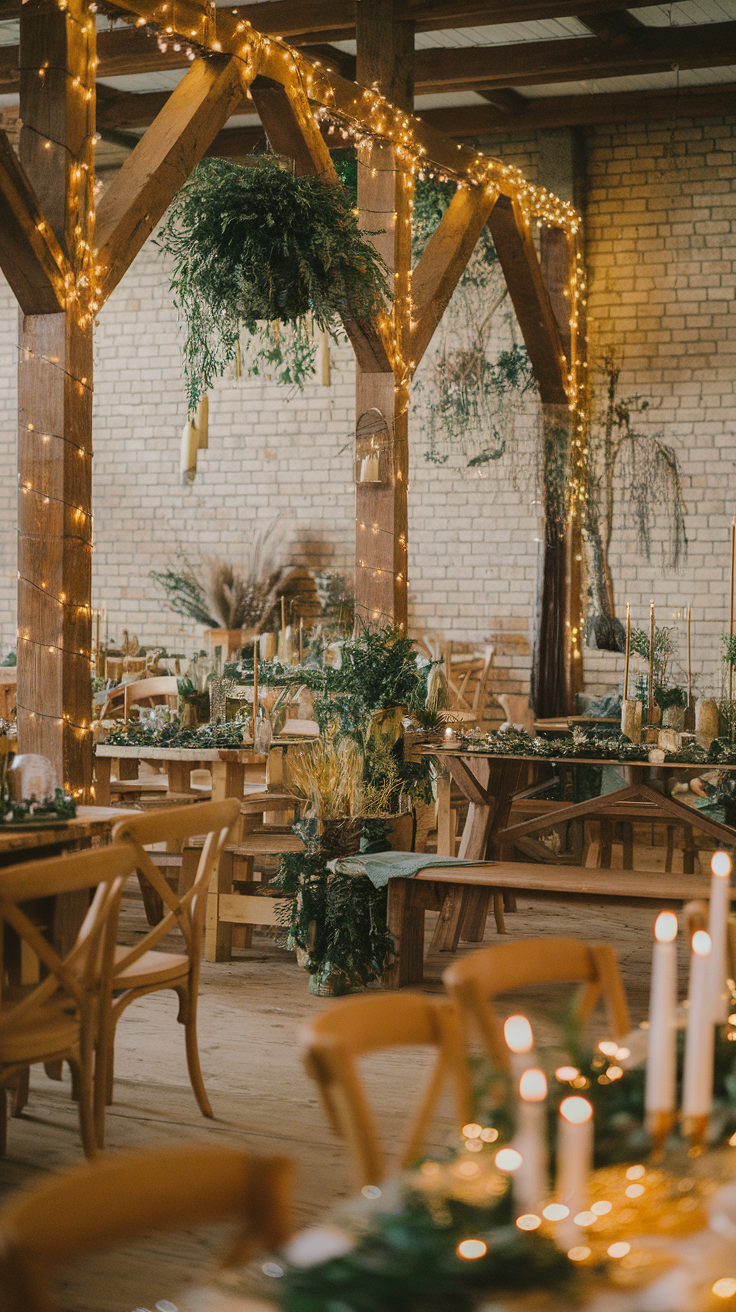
[
  {"x": 102, "y": 780},
  {"x": 179, "y": 773},
  {"x": 128, "y": 767},
  {"x": 406, "y": 924},
  {"x": 445, "y": 836},
  {"x": 228, "y": 780},
  {"x": 218, "y": 934}
]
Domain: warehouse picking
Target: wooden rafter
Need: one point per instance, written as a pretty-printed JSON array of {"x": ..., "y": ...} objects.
[
  {"x": 303, "y": 19},
  {"x": 478, "y": 68},
  {"x": 162, "y": 161},
  {"x": 530, "y": 298},
  {"x": 30, "y": 256},
  {"x": 441, "y": 266}
]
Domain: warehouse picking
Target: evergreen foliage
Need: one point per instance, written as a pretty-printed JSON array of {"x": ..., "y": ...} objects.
[{"x": 260, "y": 244}]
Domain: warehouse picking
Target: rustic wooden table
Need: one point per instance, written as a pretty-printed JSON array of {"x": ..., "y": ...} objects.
[
  {"x": 489, "y": 782},
  {"x": 227, "y": 765}
]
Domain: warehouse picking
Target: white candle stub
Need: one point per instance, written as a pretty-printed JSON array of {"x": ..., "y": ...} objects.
[
  {"x": 519, "y": 1040},
  {"x": 661, "y": 1048}
]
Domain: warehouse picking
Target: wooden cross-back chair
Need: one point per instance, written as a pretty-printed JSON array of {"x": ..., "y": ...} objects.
[
  {"x": 58, "y": 1019},
  {"x": 115, "y": 1199},
  {"x": 480, "y": 977},
  {"x": 162, "y": 690},
  {"x": 335, "y": 1039},
  {"x": 141, "y": 969}
]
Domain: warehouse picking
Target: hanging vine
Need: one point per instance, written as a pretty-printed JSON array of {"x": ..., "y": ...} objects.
[{"x": 646, "y": 471}]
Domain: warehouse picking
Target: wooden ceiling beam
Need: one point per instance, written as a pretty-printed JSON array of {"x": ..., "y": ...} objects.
[
  {"x": 616, "y": 27},
  {"x": 162, "y": 161},
  {"x": 582, "y": 111},
  {"x": 471, "y": 68},
  {"x": 334, "y": 20},
  {"x": 30, "y": 256}
]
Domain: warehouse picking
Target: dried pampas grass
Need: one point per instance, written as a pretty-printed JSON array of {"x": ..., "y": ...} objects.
[{"x": 245, "y": 599}]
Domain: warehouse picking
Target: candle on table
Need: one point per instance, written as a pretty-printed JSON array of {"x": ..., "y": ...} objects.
[
  {"x": 719, "y": 911},
  {"x": 651, "y": 660},
  {"x": 628, "y": 651},
  {"x": 659, "y": 1096},
  {"x": 530, "y": 1181},
  {"x": 730, "y": 626},
  {"x": 301, "y": 639},
  {"x": 689, "y": 657},
  {"x": 574, "y": 1161},
  {"x": 697, "y": 1087},
  {"x": 255, "y": 686}
]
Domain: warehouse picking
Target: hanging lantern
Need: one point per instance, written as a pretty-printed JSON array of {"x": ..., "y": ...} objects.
[{"x": 372, "y": 448}]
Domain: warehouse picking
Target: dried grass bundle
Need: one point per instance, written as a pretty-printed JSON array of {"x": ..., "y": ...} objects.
[
  {"x": 245, "y": 599},
  {"x": 328, "y": 772}
]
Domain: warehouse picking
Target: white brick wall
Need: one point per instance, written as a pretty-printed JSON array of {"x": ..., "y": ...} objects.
[{"x": 662, "y": 264}]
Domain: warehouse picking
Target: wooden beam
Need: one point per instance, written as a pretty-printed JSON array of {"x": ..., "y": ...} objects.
[
  {"x": 581, "y": 111},
  {"x": 530, "y": 63},
  {"x": 442, "y": 263},
  {"x": 530, "y": 298},
  {"x": 30, "y": 256},
  {"x": 235, "y": 143},
  {"x": 385, "y": 46},
  {"x": 55, "y": 403},
  {"x": 162, "y": 161},
  {"x": 616, "y": 26}
]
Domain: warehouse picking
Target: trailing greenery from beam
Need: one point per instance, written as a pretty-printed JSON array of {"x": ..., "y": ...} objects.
[{"x": 262, "y": 245}]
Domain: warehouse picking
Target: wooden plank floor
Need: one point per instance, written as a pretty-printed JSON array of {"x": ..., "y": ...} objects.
[{"x": 250, "y": 1014}]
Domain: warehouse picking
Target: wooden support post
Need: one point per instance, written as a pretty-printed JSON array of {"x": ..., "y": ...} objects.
[
  {"x": 385, "y": 53},
  {"x": 55, "y": 400}
]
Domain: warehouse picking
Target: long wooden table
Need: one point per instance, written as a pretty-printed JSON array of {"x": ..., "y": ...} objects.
[
  {"x": 489, "y": 781},
  {"x": 227, "y": 765}
]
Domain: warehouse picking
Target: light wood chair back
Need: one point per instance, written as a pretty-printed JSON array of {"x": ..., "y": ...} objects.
[
  {"x": 158, "y": 691},
  {"x": 480, "y": 977},
  {"x": 58, "y": 1018},
  {"x": 351, "y": 1027},
  {"x": 183, "y": 909},
  {"x": 467, "y": 681},
  {"x": 117, "y": 1198}
]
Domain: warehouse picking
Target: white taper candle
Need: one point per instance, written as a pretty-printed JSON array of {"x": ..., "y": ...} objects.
[
  {"x": 519, "y": 1040},
  {"x": 720, "y": 908},
  {"x": 659, "y": 1093},
  {"x": 697, "y": 1088},
  {"x": 574, "y": 1161},
  {"x": 530, "y": 1181}
]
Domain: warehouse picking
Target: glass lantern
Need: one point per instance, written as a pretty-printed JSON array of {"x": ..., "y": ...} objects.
[{"x": 372, "y": 449}]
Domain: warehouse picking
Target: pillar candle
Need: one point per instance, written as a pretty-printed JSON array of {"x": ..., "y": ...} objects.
[
  {"x": 697, "y": 1088},
  {"x": 530, "y": 1181},
  {"x": 574, "y": 1160},
  {"x": 719, "y": 911},
  {"x": 660, "y": 1075}
]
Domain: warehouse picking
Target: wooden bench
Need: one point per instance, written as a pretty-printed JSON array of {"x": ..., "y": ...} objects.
[{"x": 463, "y": 896}]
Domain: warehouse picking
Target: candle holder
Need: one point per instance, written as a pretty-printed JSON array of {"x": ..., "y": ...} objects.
[{"x": 373, "y": 449}]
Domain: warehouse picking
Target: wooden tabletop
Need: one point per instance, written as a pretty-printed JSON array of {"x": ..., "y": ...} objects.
[
  {"x": 562, "y": 759},
  {"x": 90, "y": 822},
  {"x": 245, "y": 753}
]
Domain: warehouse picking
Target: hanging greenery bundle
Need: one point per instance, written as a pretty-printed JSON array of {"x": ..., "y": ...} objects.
[
  {"x": 254, "y": 246},
  {"x": 468, "y": 394}
]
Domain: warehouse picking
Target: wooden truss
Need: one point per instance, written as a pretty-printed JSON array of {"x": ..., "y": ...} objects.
[{"x": 61, "y": 275}]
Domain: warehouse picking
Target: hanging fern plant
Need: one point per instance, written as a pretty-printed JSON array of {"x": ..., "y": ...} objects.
[{"x": 254, "y": 246}]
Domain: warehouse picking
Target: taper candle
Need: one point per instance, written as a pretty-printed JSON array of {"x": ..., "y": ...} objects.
[
  {"x": 628, "y": 651},
  {"x": 689, "y": 657},
  {"x": 651, "y": 660},
  {"x": 519, "y": 1040},
  {"x": 574, "y": 1160},
  {"x": 697, "y": 1086},
  {"x": 530, "y": 1181},
  {"x": 659, "y": 1095},
  {"x": 718, "y": 913},
  {"x": 255, "y": 686},
  {"x": 301, "y": 639},
  {"x": 283, "y": 619},
  {"x": 730, "y": 625}
]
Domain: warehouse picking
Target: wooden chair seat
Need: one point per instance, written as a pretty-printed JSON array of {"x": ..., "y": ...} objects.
[
  {"x": 41, "y": 1038},
  {"x": 151, "y": 970}
]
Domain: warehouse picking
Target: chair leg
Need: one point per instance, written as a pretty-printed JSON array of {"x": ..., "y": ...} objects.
[
  {"x": 3, "y": 1120},
  {"x": 83, "y": 1078},
  {"x": 20, "y": 1085},
  {"x": 188, "y": 1018},
  {"x": 498, "y": 905}
]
